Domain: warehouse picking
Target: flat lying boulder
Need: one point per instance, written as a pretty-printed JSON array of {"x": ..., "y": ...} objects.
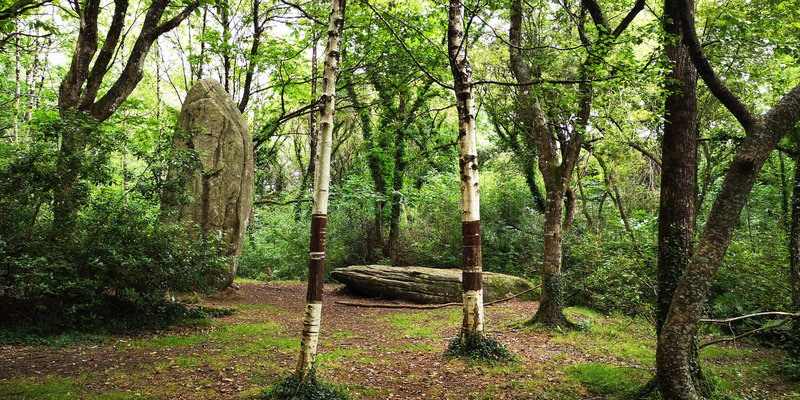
[{"x": 426, "y": 285}]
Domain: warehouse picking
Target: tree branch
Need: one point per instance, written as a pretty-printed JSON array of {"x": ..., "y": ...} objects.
[{"x": 714, "y": 83}]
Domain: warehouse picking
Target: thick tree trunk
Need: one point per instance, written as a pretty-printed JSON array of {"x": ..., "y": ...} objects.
[
  {"x": 317, "y": 257},
  {"x": 551, "y": 306},
  {"x": 472, "y": 260},
  {"x": 677, "y": 208},
  {"x": 676, "y": 215},
  {"x": 794, "y": 254},
  {"x": 81, "y": 84},
  {"x": 675, "y": 343}
]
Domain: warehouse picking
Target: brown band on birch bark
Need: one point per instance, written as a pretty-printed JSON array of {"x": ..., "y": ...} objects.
[
  {"x": 471, "y": 244},
  {"x": 316, "y": 278},
  {"x": 317, "y": 261},
  {"x": 472, "y": 280},
  {"x": 319, "y": 223}
]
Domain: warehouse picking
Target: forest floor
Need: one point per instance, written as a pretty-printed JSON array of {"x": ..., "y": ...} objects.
[{"x": 371, "y": 353}]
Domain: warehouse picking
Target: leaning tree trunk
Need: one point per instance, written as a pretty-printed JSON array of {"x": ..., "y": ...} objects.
[
  {"x": 471, "y": 263},
  {"x": 675, "y": 343},
  {"x": 319, "y": 212}
]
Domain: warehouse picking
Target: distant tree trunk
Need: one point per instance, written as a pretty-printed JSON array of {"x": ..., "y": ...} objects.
[
  {"x": 675, "y": 343},
  {"x": 472, "y": 269},
  {"x": 400, "y": 164},
  {"x": 319, "y": 214},
  {"x": 374, "y": 163},
  {"x": 312, "y": 135},
  {"x": 18, "y": 78}
]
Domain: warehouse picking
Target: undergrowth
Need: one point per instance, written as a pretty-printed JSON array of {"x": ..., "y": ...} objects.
[
  {"x": 292, "y": 388},
  {"x": 478, "y": 346}
]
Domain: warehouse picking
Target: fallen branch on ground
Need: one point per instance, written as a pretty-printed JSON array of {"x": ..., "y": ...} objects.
[
  {"x": 761, "y": 314},
  {"x": 748, "y": 333},
  {"x": 428, "y": 306}
]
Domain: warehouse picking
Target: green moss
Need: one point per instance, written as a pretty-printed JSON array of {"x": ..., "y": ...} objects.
[{"x": 609, "y": 381}]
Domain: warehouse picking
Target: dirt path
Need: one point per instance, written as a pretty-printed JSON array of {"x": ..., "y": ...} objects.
[{"x": 376, "y": 353}]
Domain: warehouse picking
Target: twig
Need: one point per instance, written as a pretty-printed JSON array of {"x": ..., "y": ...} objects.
[
  {"x": 748, "y": 333},
  {"x": 761, "y": 314},
  {"x": 428, "y": 306}
]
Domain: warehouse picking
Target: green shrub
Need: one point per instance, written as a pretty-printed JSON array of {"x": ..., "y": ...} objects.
[
  {"x": 291, "y": 388},
  {"x": 113, "y": 267}
]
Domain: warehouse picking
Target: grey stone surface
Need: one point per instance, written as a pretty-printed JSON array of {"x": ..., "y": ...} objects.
[
  {"x": 222, "y": 191},
  {"x": 426, "y": 285}
]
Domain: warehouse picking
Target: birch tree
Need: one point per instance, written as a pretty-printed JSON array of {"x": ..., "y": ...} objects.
[
  {"x": 319, "y": 212},
  {"x": 471, "y": 263}
]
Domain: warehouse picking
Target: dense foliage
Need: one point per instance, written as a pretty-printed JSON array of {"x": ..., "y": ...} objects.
[
  {"x": 116, "y": 270},
  {"x": 394, "y": 165}
]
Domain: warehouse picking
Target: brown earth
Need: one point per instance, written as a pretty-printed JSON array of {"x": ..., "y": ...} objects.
[{"x": 371, "y": 357}]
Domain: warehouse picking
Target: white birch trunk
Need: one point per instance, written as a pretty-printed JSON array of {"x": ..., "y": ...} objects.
[
  {"x": 313, "y": 314},
  {"x": 468, "y": 163}
]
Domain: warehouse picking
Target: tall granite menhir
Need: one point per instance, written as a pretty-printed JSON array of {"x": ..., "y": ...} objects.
[{"x": 222, "y": 190}]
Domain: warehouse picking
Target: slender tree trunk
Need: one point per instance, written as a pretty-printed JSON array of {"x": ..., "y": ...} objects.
[
  {"x": 472, "y": 260},
  {"x": 551, "y": 306},
  {"x": 400, "y": 163},
  {"x": 319, "y": 213},
  {"x": 312, "y": 135},
  {"x": 18, "y": 77}
]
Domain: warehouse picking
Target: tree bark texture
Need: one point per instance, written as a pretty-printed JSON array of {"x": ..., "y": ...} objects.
[
  {"x": 674, "y": 352},
  {"x": 319, "y": 213},
  {"x": 472, "y": 261},
  {"x": 676, "y": 215},
  {"x": 794, "y": 256}
]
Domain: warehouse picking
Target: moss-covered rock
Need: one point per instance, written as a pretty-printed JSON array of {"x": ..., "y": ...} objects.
[{"x": 426, "y": 285}]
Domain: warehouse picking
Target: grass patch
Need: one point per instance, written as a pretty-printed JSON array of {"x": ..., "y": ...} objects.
[
  {"x": 609, "y": 381},
  {"x": 55, "y": 388},
  {"x": 613, "y": 336}
]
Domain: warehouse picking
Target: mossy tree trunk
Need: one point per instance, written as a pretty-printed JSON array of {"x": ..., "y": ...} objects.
[
  {"x": 557, "y": 159},
  {"x": 676, "y": 341},
  {"x": 319, "y": 213},
  {"x": 677, "y": 208},
  {"x": 471, "y": 264}
]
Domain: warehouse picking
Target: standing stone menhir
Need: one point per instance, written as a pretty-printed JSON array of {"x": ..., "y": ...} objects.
[{"x": 222, "y": 190}]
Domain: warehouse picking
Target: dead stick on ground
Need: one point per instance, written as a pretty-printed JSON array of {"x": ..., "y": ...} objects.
[
  {"x": 748, "y": 333},
  {"x": 428, "y": 306}
]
